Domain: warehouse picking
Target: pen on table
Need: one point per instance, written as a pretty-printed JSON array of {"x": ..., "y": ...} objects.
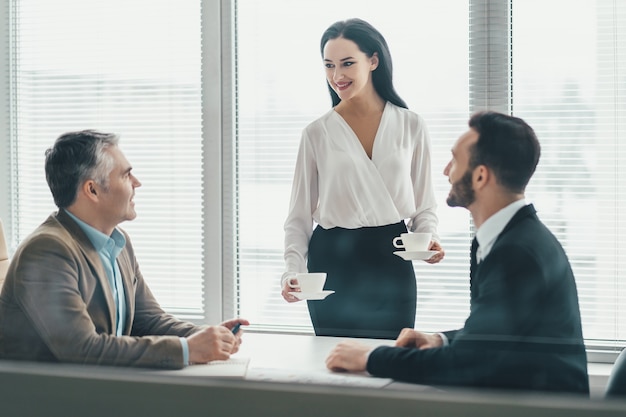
[{"x": 236, "y": 328}]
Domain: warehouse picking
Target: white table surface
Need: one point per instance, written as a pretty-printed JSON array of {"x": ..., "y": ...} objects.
[
  {"x": 299, "y": 359},
  {"x": 289, "y": 352},
  {"x": 296, "y": 358}
]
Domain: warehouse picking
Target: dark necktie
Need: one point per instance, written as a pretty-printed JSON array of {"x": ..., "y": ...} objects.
[{"x": 473, "y": 257}]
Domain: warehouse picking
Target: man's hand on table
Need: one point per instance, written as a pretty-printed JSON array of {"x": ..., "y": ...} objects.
[
  {"x": 215, "y": 342},
  {"x": 348, "y": 356},
  {"x": 352, "y": 356}
]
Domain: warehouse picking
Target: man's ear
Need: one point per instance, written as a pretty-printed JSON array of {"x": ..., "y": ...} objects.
[
  {"x": 90, "y": 190},
  {"x": 480, "y": 176}
]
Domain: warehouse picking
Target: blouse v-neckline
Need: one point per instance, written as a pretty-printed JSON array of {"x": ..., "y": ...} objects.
[{"x": 356, "y": 138}]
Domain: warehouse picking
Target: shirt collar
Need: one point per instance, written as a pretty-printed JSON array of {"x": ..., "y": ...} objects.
[
  {"x": 489, "y": 231},
  {"x": 101, "y": 242}
]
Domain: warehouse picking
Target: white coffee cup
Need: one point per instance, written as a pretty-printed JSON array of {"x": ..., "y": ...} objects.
[
  {"x": 414, "y": 242},
  {"x": 312, "y": 282}
]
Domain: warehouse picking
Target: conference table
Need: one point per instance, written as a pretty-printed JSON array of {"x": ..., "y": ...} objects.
[
  {"x": 285, "y": 376},
  {"x": 295, "y": 359}
]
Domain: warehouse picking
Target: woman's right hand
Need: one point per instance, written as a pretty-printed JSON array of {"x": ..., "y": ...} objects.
[{"x": 287, "y": 289}]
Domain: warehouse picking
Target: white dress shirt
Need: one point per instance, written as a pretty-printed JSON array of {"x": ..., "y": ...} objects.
[
  {"x": 336, "y": 184},
  {"x": 489, "y": 231}
]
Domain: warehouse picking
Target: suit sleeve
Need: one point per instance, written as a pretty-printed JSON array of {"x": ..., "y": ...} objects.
[
  {"x": 149, "y": 318},
  {"x": 429, "y": 366},
  {"x": 500, "y": 314}
]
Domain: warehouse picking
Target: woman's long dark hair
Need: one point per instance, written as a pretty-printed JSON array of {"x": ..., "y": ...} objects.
[{"x": 369, "y": 40}]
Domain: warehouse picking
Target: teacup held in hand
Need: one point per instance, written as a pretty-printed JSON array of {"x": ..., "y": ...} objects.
[
  {"x": 413, "y": 242},
  {"x": 310, "y": 282}
]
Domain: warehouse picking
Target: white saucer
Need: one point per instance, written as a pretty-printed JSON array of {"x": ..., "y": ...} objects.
[
  {"x": 311, "y": 295},
  {"x": 415, "y": 255}
]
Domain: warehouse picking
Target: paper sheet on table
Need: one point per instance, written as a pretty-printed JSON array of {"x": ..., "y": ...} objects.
[
  {"x": 233, "y": 368},
  {"x": 316, "y": 377}
]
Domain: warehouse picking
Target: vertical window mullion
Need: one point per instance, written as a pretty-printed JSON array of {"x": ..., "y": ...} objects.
[{"x": 490, "y": 55}]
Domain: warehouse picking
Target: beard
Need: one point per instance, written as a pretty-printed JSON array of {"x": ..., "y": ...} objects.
[{"x": 462, "y": 194}]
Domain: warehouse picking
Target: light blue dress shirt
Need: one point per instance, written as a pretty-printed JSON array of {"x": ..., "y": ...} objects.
[{"x": 108, "y": 248}]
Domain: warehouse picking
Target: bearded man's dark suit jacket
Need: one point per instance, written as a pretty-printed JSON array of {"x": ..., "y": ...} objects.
[
  {"x": 524, "y": 327},
  {"x": 57, "y": 305}
]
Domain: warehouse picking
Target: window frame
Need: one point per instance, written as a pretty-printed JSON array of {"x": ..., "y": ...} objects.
[
  {"x": 6, "y": 121},
  {"x": 219, "y": 102}
]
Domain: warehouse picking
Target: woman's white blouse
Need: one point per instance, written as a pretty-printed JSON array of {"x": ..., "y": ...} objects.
[{"x": 336, "y": 184}]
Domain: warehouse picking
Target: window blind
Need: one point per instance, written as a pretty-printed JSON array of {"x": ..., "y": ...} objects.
[
  {"x": 558, "y": 65},
  {"x": 281, "y": 87},
  {"x": 569, "y": 83},
  {"x": 133, "y": 68}
]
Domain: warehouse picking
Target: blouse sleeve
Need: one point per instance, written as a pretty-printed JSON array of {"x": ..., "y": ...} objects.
[
  {"x": 424, "y": 219},
  {"x": 304, "y": 199}
]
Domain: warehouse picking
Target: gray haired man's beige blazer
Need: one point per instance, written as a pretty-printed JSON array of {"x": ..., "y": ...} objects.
[{"x": 57, "y": 305}]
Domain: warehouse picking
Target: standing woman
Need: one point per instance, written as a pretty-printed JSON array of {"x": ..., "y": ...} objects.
[{"x": 363, "y": 168}]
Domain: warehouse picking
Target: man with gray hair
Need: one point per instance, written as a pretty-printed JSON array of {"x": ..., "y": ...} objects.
[{"x": 74, "y": 291}]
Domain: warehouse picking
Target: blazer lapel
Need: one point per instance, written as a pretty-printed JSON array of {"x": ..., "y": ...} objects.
[
  {"x": 126, "y": 270},
  {"x": 528, "y": 210},
  {"x": 94, "y": 261}
]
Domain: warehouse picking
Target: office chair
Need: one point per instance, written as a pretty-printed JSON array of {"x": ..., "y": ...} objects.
[
  {"x": 617, "y": 380},
  {"x": 4, "y": 256}
]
